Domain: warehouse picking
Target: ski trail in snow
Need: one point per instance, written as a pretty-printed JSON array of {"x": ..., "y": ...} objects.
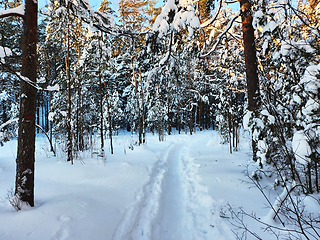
[
  {"x": 168, "y": 224},
  {"x": 136, "y": 223},
  {"x": 173, "y": 204}
]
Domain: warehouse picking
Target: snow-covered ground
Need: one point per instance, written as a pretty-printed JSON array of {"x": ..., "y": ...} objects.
[{"x": 170, "y": 190}]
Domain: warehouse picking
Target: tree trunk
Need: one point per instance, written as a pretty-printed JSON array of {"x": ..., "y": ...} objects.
[
  {"x": 138, "y": 105},
  {"x": 168, "y": 109},
  {"x": 201, "y": 117},
  {"x": 143, "y": 110},
  {"x": 109, "y": 114},
  {"x": 189, "y": 100},
  {"x": 69, "y": 131},
  {"x": 251, "y": 63},
  {"x": 50, "y": 123},
  {"x": 24, "y": 188},
  {"x": 101, "y": 114},
  {"x": 250, "y": 56},
  {"x": 38, "y": 115},
  {"x": 178, "y": 109}
]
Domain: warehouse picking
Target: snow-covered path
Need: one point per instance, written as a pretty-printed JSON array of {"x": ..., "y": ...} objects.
[
  {"x": 158, "y": 205},
  {"x": 168, "y": 224},
  {"x": 173, "y": 204}
]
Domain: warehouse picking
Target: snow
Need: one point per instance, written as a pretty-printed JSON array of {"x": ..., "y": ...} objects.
[
  {"x": 271, "y": 118},
  {"x": 265, "y": 46},
  {"x": 51, "y": 116},
  {"x": 246, "y": 120},
  {"x": 175, "y": 189},
  {"x": 18, "y": 10},
  {"x": 53, "y": 88},
  {"x": 41, "y": 80},
  {"x": 3, "y": 96},
  {"x": 258, "y": 14},
  {"x": 276, "y": 206},
  {"x": 8, "y": 122},
  {"x": 64, "y": 113},
  {"x": 310, "y": 79},
  {"x": 185, "y": 17},
  {"x": 296, "y": 98},
  {"x": 4, "y": 52},
  {"x": 287, "y": 46},
  {"x": 270, "y": 27},
  {"x": 301, "y": 147},
  {"x": 310, "y": 107}
]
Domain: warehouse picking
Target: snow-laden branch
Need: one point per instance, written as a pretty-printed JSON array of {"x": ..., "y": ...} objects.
[
  {"x": 220, "y": 36},
  {"x": 31, "y": 83},
  {"x": 17, "y": 12},
  {"x": 175, "y": 15},
  {"x": 211, "y": 20},
  {"x": 168, "y": 55},
  {"x": 27, "y": 80},
  {"x": 8, "y": 122},
  {"x": 101, "y": 21}
]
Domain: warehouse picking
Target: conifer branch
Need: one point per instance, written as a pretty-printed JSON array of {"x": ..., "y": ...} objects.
[{"x": 219, "y": 38}]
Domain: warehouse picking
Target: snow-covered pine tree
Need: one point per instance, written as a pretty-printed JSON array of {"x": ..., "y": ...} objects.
[
  {"x": 289, "y": 61},
  {"x": 10, "y": 46},
  {"x": 228, "y": 81},
  {"x": 67, "y": 31}
]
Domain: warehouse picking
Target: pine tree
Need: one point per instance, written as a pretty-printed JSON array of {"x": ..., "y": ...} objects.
[
  {"x": 10, "y": 38},
  {"x": 65, "y": 30},
  {"x": 131, "y": 14}
]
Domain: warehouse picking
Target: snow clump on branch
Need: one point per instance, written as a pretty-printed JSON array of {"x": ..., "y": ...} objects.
[{"x": 173, "y": 16}]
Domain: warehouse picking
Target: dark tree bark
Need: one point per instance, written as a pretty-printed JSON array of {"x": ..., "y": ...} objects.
[
  {"x": 189, "y": 100},
  {"x": 101, "y": 113},
  {"x": 67, "y": 61},
  {"x": 24, "y": 188},
  {"x": 178, "y": 109},
  {"x": 143, "y": 109},
  {"x": 138, "y": 105},
  {"x": 251, "y": 63},
  {"x": 250, "y": 55}
]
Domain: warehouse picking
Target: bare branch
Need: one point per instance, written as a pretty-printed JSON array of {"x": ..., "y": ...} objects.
[
  {"x": 38, "y": 126},
  {"x": 27, "y": 80}
]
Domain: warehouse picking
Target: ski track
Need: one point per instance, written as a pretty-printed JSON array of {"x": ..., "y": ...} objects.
[{"x": 173, "y": 204}]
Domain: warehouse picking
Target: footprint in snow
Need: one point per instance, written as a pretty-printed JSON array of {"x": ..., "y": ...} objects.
[
  {"x": 64, "y": 218},
  {"x": 61, "y": 234}
]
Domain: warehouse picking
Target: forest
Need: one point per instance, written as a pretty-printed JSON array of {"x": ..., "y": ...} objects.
[{"x": 75, "y": 74}]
